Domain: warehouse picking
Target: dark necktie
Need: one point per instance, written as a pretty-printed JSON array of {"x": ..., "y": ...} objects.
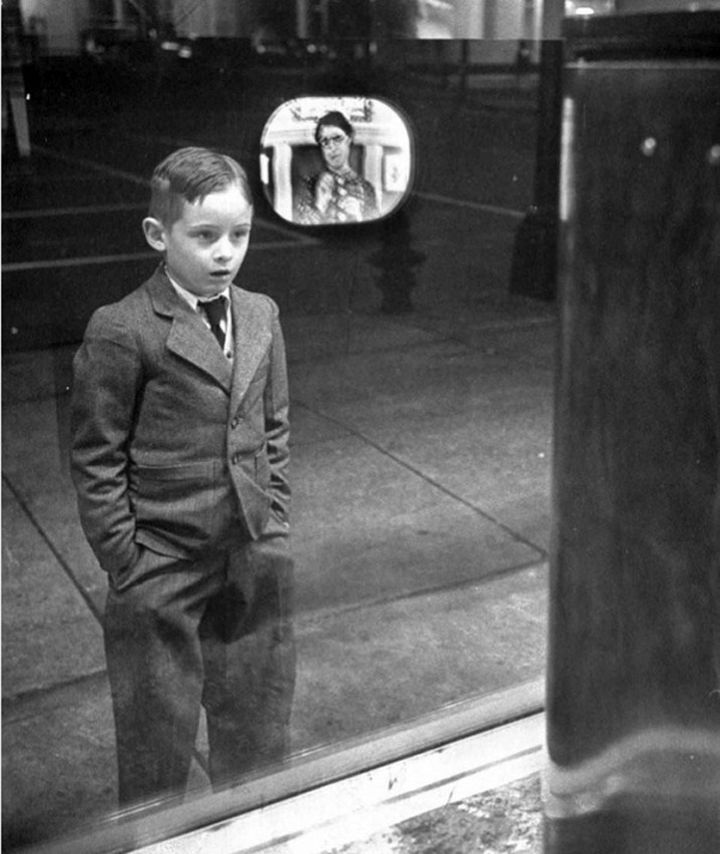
[{"x": 215, "y": 311}]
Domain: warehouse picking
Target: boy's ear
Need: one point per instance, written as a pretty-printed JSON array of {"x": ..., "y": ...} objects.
[{"x": 154, "y": 233}]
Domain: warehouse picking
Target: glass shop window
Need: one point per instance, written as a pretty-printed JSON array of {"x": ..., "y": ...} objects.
[{"x": 389, "y": 182}]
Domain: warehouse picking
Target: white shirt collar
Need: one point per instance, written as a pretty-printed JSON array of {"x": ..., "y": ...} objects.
[
  {"x": 190, "y": 298},
  {"x": 193, "y": 301}
]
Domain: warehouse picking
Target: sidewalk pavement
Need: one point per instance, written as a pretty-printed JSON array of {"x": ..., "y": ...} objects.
[{"x": 392, "y": 543}]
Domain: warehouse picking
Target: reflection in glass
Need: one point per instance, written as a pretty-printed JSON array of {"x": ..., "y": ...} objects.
[
  {"x": 332, "y": 161},
  {"x": 420, "y": 439}
]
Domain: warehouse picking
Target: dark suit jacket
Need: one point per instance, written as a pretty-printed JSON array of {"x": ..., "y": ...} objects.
[{"x": 175, "y": 447}]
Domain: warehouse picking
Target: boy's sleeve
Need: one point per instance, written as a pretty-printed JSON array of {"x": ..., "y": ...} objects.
[
  {"x": 277, "y": 423},
  {"x": 106, "y": 381}
]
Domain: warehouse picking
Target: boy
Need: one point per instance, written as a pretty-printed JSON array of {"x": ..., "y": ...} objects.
[{"x": 179, "y": 458}]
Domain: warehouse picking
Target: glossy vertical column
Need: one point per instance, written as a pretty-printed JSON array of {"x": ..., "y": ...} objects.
[{"x": 633, "y": 683}]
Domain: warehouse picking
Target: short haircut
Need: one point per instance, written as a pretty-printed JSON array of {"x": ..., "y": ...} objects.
[
  {"x": 189, "y": 174},
  {"x": 333, "y": 119}
]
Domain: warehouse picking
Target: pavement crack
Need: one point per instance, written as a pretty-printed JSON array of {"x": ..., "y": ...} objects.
[
  {"x": 511, "y": 532},
  {"x": 36, "y": 702},
  {"x": 24, "y": 506},
  {"x": 310, "y": 615}
]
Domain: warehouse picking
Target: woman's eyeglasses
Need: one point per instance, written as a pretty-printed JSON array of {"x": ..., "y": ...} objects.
[{"x": 326, "y": 141}]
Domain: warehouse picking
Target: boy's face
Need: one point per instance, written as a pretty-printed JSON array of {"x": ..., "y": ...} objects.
[{"x": 205, "y": 248}]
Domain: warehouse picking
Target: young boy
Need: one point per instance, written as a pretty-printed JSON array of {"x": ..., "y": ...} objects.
[{"x": 180, "y": 457}]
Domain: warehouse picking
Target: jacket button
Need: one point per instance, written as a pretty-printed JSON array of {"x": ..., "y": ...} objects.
[
  {"x": 234, "y": 423},
  {"x": 235, "y": 459}
]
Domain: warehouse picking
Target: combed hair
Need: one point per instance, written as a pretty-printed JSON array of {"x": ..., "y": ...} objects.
[
  {"x": 189, "y": 174},
  {"x": 334, "y": 119}
]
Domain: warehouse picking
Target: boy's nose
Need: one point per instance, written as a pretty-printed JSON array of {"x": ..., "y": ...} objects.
[{"x": 223, "y": 249}]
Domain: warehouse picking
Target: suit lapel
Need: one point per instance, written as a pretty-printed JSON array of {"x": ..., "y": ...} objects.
[
  {"x": 189, "y": 338},
  {"x": 251, "y": 337}
]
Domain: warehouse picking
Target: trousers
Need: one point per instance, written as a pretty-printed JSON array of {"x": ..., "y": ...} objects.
[{"x": 215, "y": 632}]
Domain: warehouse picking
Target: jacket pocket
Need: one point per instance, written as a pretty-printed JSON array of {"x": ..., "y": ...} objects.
[{"x": 179, "y": 503}]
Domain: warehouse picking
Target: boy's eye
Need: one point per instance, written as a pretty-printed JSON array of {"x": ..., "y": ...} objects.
[{"x": 241, "y": 233}]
